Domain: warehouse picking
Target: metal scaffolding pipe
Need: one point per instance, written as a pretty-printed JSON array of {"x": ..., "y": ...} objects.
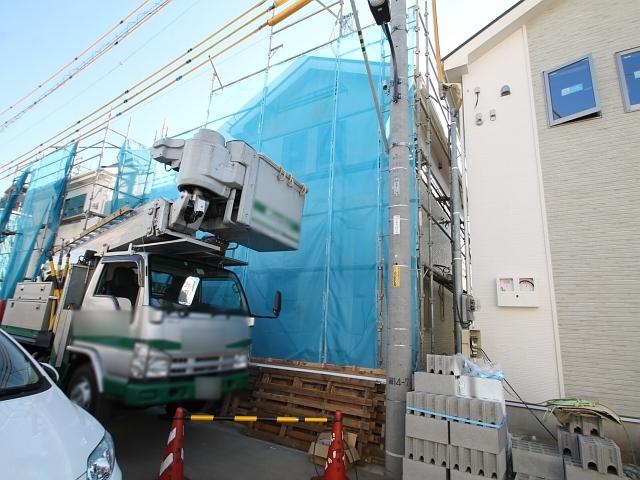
[{"x": 399, "y": 338}]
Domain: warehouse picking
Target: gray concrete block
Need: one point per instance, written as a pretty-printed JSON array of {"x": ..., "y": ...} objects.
[
  {"x": 537, "y": 459},
  {"x": 600, "y": 454},
  {"x": 456, "y": 475},
  {"x": 435, "y": 403},
  {"x": 586, "y": 424},
  {"x": 475, "y": 462},
  {"x": 573, "y": 471},
  {"x": 476, "y": 409},
  {"x": 413, "y": 470},
  {"x": 435, "y": 383},
  {"x": 568, "y": 443},
  {"x": 492, "y": 440},
  {"x": 444, "y": 365},
  {"x": 426, "y": 428},
  {"x": 526, "y": 476},
  {"x": 426, "y": 451},
  {"x": 460, "y": 459},
  {"x": 483, "y": 388}
]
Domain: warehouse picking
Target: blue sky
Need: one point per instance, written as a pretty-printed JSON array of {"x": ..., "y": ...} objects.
[{"x": 38, "y": 37}]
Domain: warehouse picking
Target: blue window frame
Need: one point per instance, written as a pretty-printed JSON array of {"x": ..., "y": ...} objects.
[
  {"x": 629, "y": 73},
  {"x": 571, "y": 91}
]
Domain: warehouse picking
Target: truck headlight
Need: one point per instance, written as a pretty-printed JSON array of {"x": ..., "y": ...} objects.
[
  {"x": 149, "y": 362},
  {"x": 240, "y": 360},
  {"x": 139, "y": 361},
  {"x": 102, "y": 460},
  {"x": 158, "y": 364}
]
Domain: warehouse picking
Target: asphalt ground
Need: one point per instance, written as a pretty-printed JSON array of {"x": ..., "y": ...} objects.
[{"x": 212, "y": 451}]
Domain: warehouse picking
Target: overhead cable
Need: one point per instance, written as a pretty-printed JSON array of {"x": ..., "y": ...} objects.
[
  {"x": 132, "y": 27},
  {"x": 29, "y": 158},
  {"x": 107, "y": 74},
  {"x": 108, "y": 106},
  {"x": 71, "y": 62}
]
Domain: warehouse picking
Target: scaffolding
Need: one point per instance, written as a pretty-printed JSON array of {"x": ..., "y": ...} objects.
[
  {"x": 432, "y": 122},
  {"x": 64, "y": 192}
]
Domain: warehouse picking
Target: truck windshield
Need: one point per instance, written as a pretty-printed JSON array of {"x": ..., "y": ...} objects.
[
  {"x": 219, "y": 291},
  {"x": 17, "y": 373}
]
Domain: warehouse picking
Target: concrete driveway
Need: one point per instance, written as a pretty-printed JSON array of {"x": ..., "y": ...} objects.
[{"x": 213, "y": 451}]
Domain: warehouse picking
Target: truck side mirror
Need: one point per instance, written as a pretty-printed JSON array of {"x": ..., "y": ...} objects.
[
  {"x": 277, "y": 303},
  {"x": 188, "y": 291}
]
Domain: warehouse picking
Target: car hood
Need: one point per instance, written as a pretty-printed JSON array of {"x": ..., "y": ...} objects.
[{"x": 45, "y": 436}]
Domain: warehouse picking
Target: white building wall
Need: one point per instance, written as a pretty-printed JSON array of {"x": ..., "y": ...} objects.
[{"x": 507, "y": 219}]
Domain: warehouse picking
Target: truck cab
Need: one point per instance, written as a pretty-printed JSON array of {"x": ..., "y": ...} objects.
[{"x": 158, "y": 329}]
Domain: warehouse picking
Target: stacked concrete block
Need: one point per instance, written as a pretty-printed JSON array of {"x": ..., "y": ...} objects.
[
  {"x": 568, "y": 443},
  {"x": 586, "y": 455},
  {"x": 526, "y": 476},
  {"x": 537, "y": 459},
  {"x": 436, "y": 383},
  {"x": 426, "y": 438},
  {"x": 573, "y": 471},
  {"x": 477, "y": 462},
  {"x": 586, "y": 425},
  {"x": 450, "y": 435},
  {"x": 444, "y": 365},
  {"x": 414, "y": 470},
  {"x": 600, "y": 454}
]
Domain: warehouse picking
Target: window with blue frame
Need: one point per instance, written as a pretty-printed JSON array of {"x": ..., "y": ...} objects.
[
  {"x": 571, "y": 92},
  {"x": 74, "y": 206},
  {"x": 629, "y": 71}
]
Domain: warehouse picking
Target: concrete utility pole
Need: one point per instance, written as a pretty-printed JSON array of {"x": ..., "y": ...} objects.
[
  {"x": 399, "y": 339},
  {"x": 455, "y": 232}
]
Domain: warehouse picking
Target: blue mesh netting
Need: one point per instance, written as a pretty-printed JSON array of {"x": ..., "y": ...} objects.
[
  {"x": 315, "y": 117},
  {"x": 38, "y": 220},
  {"x": 9, "y": 203},
  {"x": 133, "y": 178}
]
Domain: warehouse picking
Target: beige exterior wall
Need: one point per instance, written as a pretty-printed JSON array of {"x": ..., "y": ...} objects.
[
  {"x": 591, "y": 174},
  {"x": 506, "y": 210}
]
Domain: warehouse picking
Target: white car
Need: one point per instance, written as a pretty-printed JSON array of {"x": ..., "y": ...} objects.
[{"x": 43, "y": 436}]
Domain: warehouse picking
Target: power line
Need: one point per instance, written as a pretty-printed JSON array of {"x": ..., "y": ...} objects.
[
  {"x": 132, "y": 27},
  {"x": 71, "y": 62},
  {"x": 74, "y": 129},
  {"x": 119, "y": 64}
]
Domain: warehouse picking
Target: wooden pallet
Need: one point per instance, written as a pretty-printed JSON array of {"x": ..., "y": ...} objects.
[{"x": 280, "y": 388}]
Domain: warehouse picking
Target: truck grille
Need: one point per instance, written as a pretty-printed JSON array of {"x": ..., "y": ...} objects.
[{"x": 185, "y": 366}]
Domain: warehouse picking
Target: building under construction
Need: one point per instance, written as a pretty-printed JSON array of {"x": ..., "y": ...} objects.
[{"x": 443, "y": 354}]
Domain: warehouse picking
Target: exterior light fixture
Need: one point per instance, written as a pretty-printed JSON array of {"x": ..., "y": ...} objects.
[{"x": 380, "y": 11}]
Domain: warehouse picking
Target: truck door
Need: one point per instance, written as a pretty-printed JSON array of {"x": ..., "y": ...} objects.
[{"x": 117, "y": 286}]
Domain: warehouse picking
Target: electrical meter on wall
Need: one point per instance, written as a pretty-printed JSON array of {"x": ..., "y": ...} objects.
[{"x": 513, "y": 291}]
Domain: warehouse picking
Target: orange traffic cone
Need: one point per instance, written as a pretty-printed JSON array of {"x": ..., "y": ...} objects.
[
  {"x": 334, "y": 468},
  {"x": 172, "y": 467}
]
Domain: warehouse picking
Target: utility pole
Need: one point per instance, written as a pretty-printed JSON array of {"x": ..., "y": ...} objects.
[
  {"x": 455, "y": 231},
  {"x": 399, "y": 338}
]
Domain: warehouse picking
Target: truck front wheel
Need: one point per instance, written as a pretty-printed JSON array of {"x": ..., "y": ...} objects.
[{"x": 82, "y": 390}]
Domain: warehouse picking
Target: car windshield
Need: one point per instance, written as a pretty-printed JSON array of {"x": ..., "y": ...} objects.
[
  {"x": 218, "y": 290},
  {"x": 17, "y": 373}
]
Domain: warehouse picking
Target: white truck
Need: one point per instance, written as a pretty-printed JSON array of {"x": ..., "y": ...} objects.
[{"x": 145, "y": 312}]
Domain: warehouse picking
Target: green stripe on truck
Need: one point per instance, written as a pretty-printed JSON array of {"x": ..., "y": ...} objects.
[{"x": 127, "y": 343}]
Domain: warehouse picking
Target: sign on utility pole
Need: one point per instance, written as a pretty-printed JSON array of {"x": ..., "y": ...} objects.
[{"x": 399, "y": 338}]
